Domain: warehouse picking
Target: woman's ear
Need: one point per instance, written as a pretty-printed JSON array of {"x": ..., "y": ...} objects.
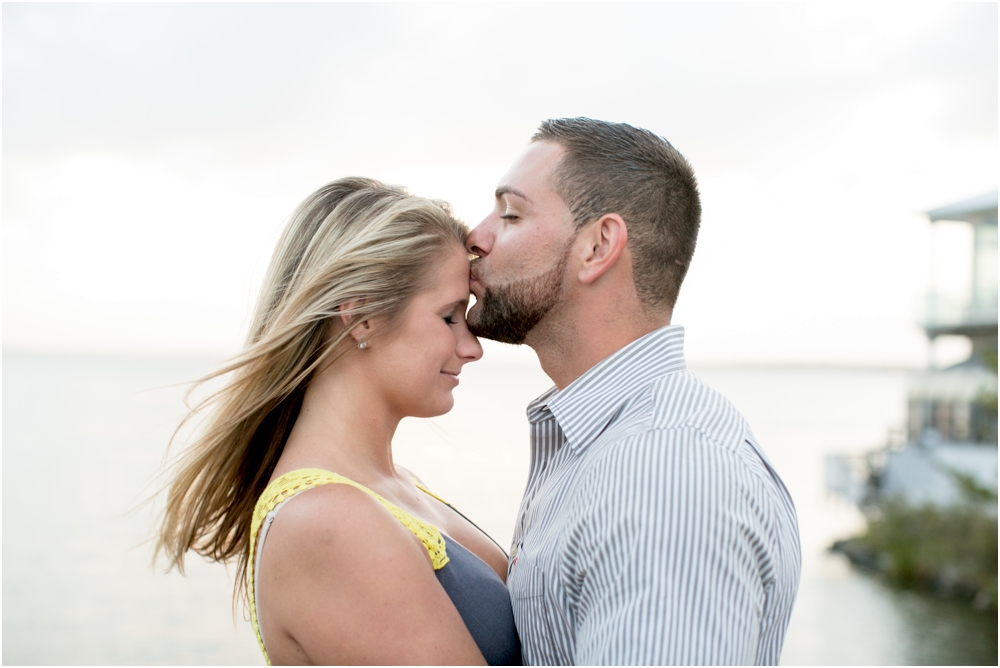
[{"x": 359, "y": 331}]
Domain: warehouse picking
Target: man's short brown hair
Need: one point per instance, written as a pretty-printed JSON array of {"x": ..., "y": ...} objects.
[{"x": 617, "y": 168}]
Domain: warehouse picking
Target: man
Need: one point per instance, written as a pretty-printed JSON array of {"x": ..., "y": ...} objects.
[{"x": 653, "y": 529}]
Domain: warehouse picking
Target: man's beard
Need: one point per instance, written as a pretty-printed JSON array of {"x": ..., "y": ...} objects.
[{"x": 507, "y": 313}]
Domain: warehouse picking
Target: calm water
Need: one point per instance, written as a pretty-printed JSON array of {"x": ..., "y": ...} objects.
[{"x": 84, "y": 436}]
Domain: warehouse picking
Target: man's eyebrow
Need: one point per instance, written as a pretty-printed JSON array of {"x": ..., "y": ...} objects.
[{"x": 504, "y": 190}]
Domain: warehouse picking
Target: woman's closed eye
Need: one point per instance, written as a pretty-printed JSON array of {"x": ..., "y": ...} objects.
[{"x": 455, "y": 312}]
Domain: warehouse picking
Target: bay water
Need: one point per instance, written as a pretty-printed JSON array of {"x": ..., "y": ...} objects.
[{"x": 85, "y": 437}]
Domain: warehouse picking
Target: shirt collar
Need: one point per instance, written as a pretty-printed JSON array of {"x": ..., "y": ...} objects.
[{"x": 584, "y": 407}]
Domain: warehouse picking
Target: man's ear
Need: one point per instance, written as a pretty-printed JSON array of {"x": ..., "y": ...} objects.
[
  {"x": 359, "y": 331},
  {"x": 604, "y": 240}
]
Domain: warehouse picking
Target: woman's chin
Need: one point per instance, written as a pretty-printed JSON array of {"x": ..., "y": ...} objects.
[{"x": 444, "y": 405}]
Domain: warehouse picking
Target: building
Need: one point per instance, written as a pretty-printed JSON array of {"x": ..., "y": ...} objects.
[
  {"x": 950, "y": 449},
  {"x": 952, "y": 416}
]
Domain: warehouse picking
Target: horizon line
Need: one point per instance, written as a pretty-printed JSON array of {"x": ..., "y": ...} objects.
[{"x": 695, "y": 364}]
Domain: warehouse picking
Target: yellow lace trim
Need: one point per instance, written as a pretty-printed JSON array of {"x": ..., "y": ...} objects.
[
  {"x": 300, "y": 480},
  {"x": 419, "y": 485}
]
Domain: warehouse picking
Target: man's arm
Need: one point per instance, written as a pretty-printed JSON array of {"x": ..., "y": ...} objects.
[{"x": 667, "y": 569}]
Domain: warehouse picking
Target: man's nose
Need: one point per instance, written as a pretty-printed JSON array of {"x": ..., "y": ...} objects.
[{"x": 480, "y": 240}]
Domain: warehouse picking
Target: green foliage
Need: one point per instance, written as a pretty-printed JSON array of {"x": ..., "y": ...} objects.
[
  {"x": 987, "y": 400},
  {"x": 985, "y": 406},
  {"x": 973, "y": 492},
  {"x": 990, "y": 359},
  {"x": 952, "y": 551}
]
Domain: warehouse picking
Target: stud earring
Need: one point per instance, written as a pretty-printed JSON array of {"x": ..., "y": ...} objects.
[{"x": 362, "y": 345}]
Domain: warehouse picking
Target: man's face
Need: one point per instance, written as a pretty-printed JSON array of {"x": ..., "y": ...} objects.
[{"x": 523, "y": 247}]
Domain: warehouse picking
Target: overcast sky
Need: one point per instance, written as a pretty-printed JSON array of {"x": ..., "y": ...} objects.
[{"x": 151, "y": 153}]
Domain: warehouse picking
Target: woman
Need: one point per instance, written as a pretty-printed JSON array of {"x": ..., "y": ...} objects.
[{"x": 360, "y": 322}]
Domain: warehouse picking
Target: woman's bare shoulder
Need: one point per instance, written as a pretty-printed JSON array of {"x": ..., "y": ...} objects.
[
  {"x": 333, "y": 512},
  {"x": 351, "y": 584}
]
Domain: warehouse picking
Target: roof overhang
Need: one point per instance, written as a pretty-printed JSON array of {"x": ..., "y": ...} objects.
[{"x": 979, "y": 209}]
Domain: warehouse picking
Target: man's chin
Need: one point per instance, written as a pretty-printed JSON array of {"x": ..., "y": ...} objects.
[
  {"x": 475, "y": 321},
  {"x": 496, "y": 319},
  {"x": 473, "y": 315},
  {"x": 510, "y": 312}
]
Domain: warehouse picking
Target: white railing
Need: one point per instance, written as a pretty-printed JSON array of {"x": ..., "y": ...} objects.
[{"x": 945, "y": 312}]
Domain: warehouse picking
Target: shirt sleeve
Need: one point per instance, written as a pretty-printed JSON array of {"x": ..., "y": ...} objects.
[{"x": 665, "y": 553}]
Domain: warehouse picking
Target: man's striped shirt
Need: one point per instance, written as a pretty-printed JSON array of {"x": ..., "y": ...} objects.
[{"x": 653, "y": 529}]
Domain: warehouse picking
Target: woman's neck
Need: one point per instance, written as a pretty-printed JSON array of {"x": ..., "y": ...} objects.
[{"x": 344, "y": 426}]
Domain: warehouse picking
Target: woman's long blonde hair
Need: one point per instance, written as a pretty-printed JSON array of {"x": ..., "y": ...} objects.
[{"x": 356, "y": 248}]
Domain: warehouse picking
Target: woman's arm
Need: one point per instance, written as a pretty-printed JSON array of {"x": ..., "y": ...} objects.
[{"x": 342, "y": 581}]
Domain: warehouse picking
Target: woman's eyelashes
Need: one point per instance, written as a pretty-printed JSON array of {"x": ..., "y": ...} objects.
[{"x": 456, "y": 312}]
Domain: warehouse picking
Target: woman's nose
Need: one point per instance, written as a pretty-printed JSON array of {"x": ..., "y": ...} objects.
[{"x": 469, "y": 349}]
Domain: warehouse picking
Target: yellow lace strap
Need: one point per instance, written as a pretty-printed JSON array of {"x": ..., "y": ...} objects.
[
  {"x": 297, "y": 481},
  {"x": 428, "y": 492}
]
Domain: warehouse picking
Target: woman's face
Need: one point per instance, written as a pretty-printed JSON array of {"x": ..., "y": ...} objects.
[{"x": 418, "y": 364}]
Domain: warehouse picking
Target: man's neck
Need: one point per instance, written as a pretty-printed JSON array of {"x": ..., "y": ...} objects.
[{"x": 568, "y": 347}]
